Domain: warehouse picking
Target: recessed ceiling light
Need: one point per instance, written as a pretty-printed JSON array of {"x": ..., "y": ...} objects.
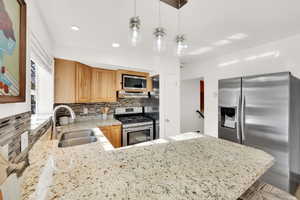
[
  {"x": 75, "y": 28},
  {"x": 275, "y": 54},
  {"x": 221, "y": 42},
  {"x": 272, "y": 53},
  {"x": 115, "y": 45},
  {"x": 251, "y": 58},
  {"x": 201, "y": 50},
  {"x": 238, "y": 36},
  {"x": 229, "y": 63}
]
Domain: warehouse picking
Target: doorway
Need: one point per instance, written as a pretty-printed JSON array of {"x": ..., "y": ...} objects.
[{"x": 192, "y": 105}]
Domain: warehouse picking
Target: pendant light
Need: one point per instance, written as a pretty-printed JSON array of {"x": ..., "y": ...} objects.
[
  {"x": 135, "y": 26},
  {"x": 159, "y": 34},
  {"x": 180, "y": 39}
]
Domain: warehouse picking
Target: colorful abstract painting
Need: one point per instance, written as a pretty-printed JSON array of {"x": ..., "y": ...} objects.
[{"x": 11, "y": 42}]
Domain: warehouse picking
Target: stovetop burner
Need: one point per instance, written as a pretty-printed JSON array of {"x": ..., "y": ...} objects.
[
  {"x": 133, "y": 119},
  {"x": 154, "y": 116}
]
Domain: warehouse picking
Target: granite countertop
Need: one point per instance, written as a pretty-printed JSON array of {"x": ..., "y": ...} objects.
[
  {"x": 38, "y": 120},
  {"x": 86, "y": 124},
  {"x": 203, "y": 168}
]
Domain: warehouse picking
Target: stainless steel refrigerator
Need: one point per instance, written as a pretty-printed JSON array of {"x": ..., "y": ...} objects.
[{"x": 264, "y": 112}]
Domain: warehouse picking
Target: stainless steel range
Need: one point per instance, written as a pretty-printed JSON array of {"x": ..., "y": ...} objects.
[{"x": 137, "y": 128}]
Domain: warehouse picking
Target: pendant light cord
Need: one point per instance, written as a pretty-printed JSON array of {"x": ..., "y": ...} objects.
[
  {"x": 159, "y": 14},
  {"x": 135, "y": 8},
  {"x": 178, "y": 16}
]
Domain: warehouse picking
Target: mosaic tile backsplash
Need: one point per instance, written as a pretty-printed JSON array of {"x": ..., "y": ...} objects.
[
  {"x": 11, "y": 129},
  {"x": 94, "y": 108}
]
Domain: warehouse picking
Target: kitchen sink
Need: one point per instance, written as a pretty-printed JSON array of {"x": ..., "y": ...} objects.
[
  {"x": 75, "y": 138},
  {"x": 77, "y": 134}
]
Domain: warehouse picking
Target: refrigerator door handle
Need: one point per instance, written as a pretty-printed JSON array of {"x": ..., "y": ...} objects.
[
  {"x": 243, "y": 118},
  {"x": 238, "y": 120}
]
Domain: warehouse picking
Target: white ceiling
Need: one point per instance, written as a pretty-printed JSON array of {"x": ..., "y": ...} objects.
[{"x": 103, "y": 22}]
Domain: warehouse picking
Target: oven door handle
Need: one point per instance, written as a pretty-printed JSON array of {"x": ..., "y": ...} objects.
[{"x": 139, "y": 128}]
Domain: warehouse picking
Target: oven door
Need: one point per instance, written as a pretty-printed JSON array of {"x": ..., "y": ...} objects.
[
  {"x": 134, "y": 82},
  {"x": 136, "y": 135}
]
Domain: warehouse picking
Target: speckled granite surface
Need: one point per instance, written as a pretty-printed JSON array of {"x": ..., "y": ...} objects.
[
  {"x": 204, "y": 169},
  {"x": 89, "y": 124}
]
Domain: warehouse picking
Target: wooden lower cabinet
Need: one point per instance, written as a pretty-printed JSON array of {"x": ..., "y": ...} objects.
[{"x": 113, "y": 134}]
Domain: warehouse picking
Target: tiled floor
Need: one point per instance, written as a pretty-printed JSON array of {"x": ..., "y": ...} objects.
[
  {"x": 298, "y": 194},
  {"x": 262, "y": 191}
]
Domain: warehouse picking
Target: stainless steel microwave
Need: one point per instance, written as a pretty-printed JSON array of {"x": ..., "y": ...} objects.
[{"x": 134, "y": 82}]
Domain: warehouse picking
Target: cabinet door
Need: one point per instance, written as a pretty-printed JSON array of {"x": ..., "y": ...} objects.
[
  {"x": 149, "y": 84},
  {"x": 106, "y": 132},
  {"x": 113, "y": 134},
  {"x": 103, "y": 86},
  {"x": 65, "y": 74},
  {"x": 83, "y": 83},
  {"x": 116, "y": 136}
]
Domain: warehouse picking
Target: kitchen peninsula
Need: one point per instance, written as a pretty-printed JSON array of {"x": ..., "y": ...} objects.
[{"x": 202, "y": 168}]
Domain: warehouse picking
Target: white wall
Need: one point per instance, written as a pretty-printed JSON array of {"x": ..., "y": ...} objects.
[
  {"x": 189, "y": 103},
  {"x": 169, "y": 70},
  {"x": 34, "y": 24},
  {"x": 288, "y": 59},
  {"x": 45, "y": 90}
]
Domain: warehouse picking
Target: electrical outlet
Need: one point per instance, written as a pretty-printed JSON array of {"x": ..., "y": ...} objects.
[
  {"x": 24, "y": 141},
  {"x": 85, "y": 111},
  {"x": 4, "y": 151}
]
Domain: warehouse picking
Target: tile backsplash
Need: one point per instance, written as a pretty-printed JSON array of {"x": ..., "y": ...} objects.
[
  {"x": 94, "y": 108},
  {"x": 11, "y": 129}
]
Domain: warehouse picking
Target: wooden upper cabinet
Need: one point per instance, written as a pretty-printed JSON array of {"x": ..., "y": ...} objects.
[
  {"x": 103, "y": 86},
  {"x": 83, "y": 83},
  {"x": 79, "y": 83},
  {"x": 149, "y": 84},
  {"x": 64, "y": 84}
]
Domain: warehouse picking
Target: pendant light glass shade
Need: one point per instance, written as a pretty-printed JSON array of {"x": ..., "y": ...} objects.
[
  {"x": 181, "y": 44},
  {"x": 134, "y": 26},
  {"x": 159, "y": 39},
  {"x": 180, "y": 39}
]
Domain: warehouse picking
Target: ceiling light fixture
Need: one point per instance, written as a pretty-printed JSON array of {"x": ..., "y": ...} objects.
[
  {"x": 75, "y": 28},
  {"x": 274, "y": 54},
  {"x": 201, "y": 50},
  {"x": 180, "y": 39},
  {"x": 238, "y": 36},
  {"x": 229, "y": 63},
  {"x": 115, "y": 45},
  {"x": 221, "y": 43},
  {"x": 159, "y": 34},
  {"x": 135, "y": 26}
]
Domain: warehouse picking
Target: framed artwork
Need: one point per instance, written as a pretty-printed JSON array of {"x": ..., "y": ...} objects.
[{"x": 12, "y": 51}]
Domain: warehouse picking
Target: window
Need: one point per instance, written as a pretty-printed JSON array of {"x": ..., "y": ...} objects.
[
  {"x": 41, "y": 89},
  {"x": 33, "y": 88}
]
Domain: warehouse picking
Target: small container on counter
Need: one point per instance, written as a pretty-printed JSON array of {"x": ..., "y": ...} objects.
[
  {"x": 104, "y": 116},
  {"x": 64, "y": 120}
]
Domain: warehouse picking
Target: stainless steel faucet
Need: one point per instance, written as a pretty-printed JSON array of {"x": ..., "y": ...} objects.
[{"x": 72, "y": 113}]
